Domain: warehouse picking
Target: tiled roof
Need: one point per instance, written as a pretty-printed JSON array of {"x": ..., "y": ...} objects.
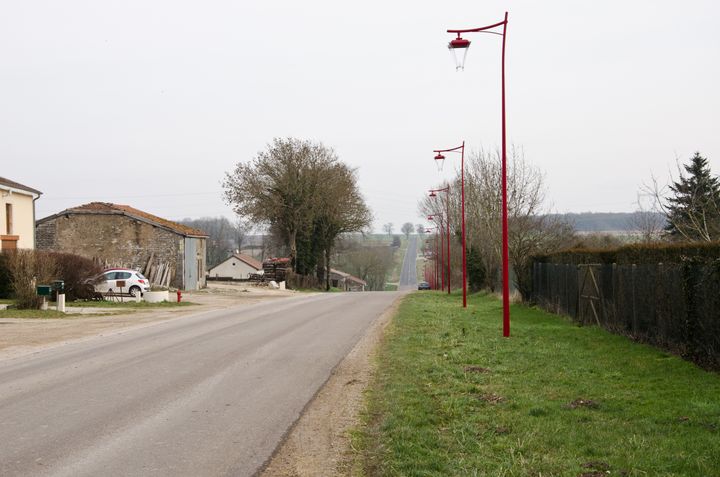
[
  {"x": 17, "y": 185},
  {"x": 256, "y": 264},
  {"x": 109, "y": 208},
  {"x": 347, "y": 276}
]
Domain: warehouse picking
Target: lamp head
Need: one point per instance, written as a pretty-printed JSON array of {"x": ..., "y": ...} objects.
[{"x": 459, "y": 48}]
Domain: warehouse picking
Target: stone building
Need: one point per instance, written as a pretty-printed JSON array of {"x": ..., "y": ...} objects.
[
  {"x": 17, "y": 215},
  {"x": 122, "y": 236}
]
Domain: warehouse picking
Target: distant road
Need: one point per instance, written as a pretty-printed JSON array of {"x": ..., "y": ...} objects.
[
  {"x": 210, "y": 394},
  {"x": 408, "y": 274}
]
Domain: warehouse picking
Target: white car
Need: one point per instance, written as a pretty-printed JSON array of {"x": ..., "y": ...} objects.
[{"x": 132, "y": 281}]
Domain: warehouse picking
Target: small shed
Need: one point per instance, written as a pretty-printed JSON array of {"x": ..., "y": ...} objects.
[
  {"x": 237, "y": 266},
  {"x": 345, "y": 281}
]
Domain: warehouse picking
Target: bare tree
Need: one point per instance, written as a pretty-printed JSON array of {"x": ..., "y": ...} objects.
[
  {"x": 407, "y": 228},
  {"x": 420, "y": 229},
  {"x": 647, "y": 221},
  {"x": 370, "y": 263},
  {"x": 388, "y": 228},
  {"x": 531, "y": 231}
]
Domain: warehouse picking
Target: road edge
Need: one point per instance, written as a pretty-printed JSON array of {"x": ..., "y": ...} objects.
[{"x": 318, "y": 442}]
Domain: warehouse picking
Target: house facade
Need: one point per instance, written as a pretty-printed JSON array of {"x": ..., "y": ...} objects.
[
  {"x": 17, "y": 215},
  {"x": 122, "y": 236},
  {"x": 238, "y": 266}
]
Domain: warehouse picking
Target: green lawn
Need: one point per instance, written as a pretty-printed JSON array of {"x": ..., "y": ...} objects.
[{"x": 452, "y": 397}]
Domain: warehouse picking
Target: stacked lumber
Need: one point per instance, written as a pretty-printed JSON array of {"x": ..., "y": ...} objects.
[
  {"x": 158, "y": 274},
  {"x": 276, "y": 269}
]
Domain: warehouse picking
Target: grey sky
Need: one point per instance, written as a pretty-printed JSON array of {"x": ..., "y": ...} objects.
[{"x": 149, "y": 103}]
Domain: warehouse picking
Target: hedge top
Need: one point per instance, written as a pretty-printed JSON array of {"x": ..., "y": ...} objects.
[{"x": 702, "y": 252}]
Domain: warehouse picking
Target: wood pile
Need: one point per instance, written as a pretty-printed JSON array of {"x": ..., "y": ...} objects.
[
  {"x": 158, "y": 274},
  {"x": 276, "y": 269}
]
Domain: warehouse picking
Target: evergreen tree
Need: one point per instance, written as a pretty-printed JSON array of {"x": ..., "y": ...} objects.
[
  {"x": 693, "y": 212},
  {"x": 476, "y": 270}
]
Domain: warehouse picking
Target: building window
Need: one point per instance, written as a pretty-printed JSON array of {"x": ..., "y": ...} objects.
[{"x": 8, "y": 219}]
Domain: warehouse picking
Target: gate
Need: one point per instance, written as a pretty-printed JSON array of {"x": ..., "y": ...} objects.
[{"x": 590, "y": 298}]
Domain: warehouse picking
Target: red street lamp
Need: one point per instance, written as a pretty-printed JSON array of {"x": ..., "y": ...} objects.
[
  {"x": 440, "y": 157},
  {"x": 459, "y": 47},
  {"x": 437, "y": 268},
  {"x": 447, "y": 223},
  {"x": 439, "y": 250}
]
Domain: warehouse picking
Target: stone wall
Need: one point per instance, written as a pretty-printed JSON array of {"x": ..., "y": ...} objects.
[{"x": 114, "y": 240}]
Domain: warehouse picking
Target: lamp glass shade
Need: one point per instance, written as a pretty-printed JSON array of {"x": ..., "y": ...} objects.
[{"x": 459, "y": 48}]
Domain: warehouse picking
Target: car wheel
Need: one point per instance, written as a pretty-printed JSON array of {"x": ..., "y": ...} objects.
[{"x": 135, "y": 291}]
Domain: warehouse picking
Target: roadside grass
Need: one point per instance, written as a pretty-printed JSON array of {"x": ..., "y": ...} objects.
[
  {"x": 119, "y": 306},
  {"x": 39, "y": 314},
  {"x": 452, "y": 397},
  {"x": 130, "y": 304}
]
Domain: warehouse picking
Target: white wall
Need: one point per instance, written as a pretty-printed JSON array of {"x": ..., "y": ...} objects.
[{"x": 232, "y": 268}]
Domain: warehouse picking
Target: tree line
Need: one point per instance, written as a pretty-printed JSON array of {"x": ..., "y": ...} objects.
[{"x": 687, "y": 210}]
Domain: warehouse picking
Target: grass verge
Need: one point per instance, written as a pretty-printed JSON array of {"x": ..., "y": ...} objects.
[
  {"x": 452, "y": 397},
  {"x": 127, "y": 304},
  {"x": 39, "y": 314}
]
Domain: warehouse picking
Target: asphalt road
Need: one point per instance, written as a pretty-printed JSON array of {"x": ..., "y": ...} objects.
[
  {"x": 408, "y": 274},
  {"x": 205, "y": 395}
]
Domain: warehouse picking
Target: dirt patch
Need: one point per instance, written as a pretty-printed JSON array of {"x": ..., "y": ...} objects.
[
  {"x": 22, "y": 336},
  {"x": 586, "y": 403},
  {"x": 491, "y": 398},
  {"x": 319, "y": 443}
]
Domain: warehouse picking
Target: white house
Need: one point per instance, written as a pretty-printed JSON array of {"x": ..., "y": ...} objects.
[
  {"x": 237, "y": 266},
  {"x": 17, "y": 215}
]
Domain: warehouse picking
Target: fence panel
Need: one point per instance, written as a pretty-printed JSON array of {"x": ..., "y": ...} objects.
[{"x": 673, "y": 306}]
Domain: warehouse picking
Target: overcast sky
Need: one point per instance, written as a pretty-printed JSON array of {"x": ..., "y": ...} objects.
[{"x": 150, "y": 103}]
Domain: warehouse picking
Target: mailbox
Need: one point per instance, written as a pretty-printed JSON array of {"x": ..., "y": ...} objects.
[
  {"x": 44, "y": 290},
  {"x": 58, "y": 286}
]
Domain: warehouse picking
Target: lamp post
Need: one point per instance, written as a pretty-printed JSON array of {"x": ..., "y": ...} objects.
[
  {"x": 428, "y": 278},
  {"x": 459, "y": 47},
  {"x": 438, "y": 231},
  {"x": 433, "y": 193},
  {"x": 437, "y": 268},
  {"x": 439, "y": 157}
]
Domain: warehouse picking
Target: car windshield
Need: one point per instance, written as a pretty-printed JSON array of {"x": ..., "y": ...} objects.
[{"x": 140, "y": 276}]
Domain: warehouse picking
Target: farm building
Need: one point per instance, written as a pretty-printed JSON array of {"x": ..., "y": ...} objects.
[
  {"x": 345, "y": 281},
  {"x": 169, "y": 253},
  {"x": 238, "y": 266}
]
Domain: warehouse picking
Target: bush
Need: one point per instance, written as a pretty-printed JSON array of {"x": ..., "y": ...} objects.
[
  {"x": 75, "y": 271},
  {"x": 5, "y": 277},
  {"x": 29, "y": 268}
]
